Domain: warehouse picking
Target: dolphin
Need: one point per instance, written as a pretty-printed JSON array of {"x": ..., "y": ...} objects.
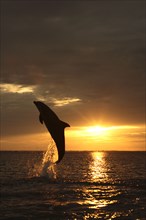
[{"x": 54, "y": 125}]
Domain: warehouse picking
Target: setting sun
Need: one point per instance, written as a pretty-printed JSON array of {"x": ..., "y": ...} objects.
[
  {"x": 99, "y": 137},
  {"x": 96, "y": 131},
  {"x": 96, "y": 137}
]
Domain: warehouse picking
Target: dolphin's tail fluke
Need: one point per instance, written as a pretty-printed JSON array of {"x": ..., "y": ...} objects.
[{"x": 58, "y": 161}]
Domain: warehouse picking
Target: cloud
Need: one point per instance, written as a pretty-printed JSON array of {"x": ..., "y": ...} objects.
[
  {"x": 16, "y": 88},
  {"x": 65, "y": 101},
  {"x": 39, "y": 92}
]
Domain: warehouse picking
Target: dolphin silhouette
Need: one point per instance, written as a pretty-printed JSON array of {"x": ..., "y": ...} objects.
[{"x": 54, "y": 125}]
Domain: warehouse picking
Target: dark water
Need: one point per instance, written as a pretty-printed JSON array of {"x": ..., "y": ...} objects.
[{"x": 85, "y": 185}]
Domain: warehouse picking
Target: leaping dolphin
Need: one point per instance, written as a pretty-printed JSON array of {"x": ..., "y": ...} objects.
[{"x": 54, "y": 125}]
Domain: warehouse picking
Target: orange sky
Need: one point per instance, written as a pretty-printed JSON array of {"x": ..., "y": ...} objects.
[
  {"x": 84, "y": 138},
  {"x": 86, "y": 61}
]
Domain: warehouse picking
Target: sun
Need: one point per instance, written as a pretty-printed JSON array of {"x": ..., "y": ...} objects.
[
  {"x": 90, "y": 132},
  {"x": 96, "y": 131},
  {"x": 105, "y": 137}
]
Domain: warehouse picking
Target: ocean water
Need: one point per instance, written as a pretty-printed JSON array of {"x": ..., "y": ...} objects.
[{"x": 85, "y": 185}]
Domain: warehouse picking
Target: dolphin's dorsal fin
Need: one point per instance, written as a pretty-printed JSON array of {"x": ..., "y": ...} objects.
[
  {"x": 41, "y": 119},
  {"x": 65, "y": 124}
]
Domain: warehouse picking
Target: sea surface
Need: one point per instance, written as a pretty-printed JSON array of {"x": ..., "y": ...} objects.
[{"x": 85, "y": 185}]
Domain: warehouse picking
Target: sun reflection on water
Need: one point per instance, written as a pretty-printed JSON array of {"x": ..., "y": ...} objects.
[
  {"x": 103, "y": 194},
  {"x": 98, "y": 167}
]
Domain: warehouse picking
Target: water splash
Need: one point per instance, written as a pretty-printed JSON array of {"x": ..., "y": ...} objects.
[
  {"x": 45, "y": 166},
  {"x": 49, "y": 157}
]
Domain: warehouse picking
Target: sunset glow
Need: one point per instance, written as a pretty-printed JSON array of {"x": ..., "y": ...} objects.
[
  {"x": 83, "y": 138},
  {"x": 86, "y": 62},
  {"x": 102, "y": 131},
  {"x": 124, "y": 137}
]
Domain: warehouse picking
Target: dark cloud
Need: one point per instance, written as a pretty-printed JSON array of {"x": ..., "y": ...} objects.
[{"x": 93, "y": 51}]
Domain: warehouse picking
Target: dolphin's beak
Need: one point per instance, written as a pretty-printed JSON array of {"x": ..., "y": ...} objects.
[{"x": 35, "y": 103}]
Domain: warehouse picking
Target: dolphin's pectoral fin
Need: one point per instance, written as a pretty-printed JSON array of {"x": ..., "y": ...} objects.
[{"x": 41, "y": 119}]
